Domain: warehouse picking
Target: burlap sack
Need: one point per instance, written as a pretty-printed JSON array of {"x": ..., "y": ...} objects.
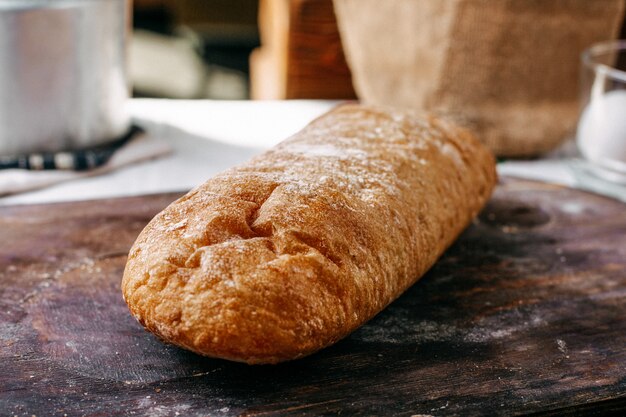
[{"x": 508, "y": 69}]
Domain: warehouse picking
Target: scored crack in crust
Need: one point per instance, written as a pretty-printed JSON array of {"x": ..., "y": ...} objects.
[{"x": 290, "y": 252}]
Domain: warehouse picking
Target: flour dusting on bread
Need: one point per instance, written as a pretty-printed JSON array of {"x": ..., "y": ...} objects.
[{"x": 290, "y": 252}]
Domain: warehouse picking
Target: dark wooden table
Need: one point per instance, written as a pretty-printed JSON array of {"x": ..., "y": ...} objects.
[{"x": 525, "y": 314}]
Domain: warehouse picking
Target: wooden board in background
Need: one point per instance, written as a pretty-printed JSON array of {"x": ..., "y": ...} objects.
[
  {"x": 301, "y": 55},
  {"x": 526, "y": 313}
]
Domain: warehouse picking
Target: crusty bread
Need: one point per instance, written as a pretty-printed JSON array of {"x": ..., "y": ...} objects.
[{"x": 286, "y": 254}]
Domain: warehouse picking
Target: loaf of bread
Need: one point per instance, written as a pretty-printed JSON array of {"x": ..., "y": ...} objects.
[{"x": 290, "y": 252}]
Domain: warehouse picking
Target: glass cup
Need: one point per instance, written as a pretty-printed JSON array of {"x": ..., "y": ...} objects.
[{"x": 601, "y": 133}]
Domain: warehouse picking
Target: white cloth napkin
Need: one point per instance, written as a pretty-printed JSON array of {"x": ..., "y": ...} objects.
[{"x": 140, "y": 148}]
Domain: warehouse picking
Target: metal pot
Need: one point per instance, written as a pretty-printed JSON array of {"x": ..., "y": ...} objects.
[{"x": 63, "y": 81}]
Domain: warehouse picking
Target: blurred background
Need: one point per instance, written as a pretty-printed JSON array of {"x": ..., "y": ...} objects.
[
  {"x": 193, "y": 48},
  {"x": 237, "y": 49}
]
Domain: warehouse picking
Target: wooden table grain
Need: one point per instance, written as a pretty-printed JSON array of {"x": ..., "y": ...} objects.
[{"x": 524, "y": 314}]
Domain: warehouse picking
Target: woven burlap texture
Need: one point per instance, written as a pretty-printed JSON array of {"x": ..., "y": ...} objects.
[{"x": 506, "y": 69}]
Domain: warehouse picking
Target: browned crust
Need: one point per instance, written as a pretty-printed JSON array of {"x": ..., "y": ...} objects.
[{"x": 286, "y": 254}]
